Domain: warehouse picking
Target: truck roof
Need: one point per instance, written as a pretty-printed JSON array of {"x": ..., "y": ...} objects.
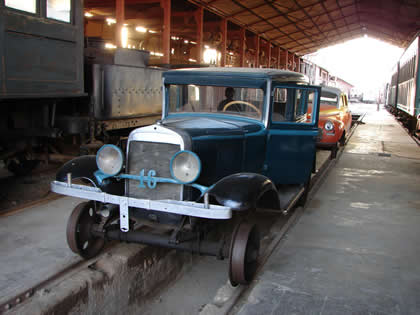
[{"x": 250, "y": 73}]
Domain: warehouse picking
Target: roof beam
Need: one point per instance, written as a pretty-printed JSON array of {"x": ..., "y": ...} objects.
[
  {"x": 111, "y": 3},
  {"x": 322, "y": 24},
  {"x": 306, "y": 13},
  {"x": 342, "y": 14},
  {"x": 303, "y": 20},
  {"x": 283, "y": 13},
  {"x": 260, "y": 17},
  {"x": 331, "y": 19},
  {"x": 286, "y": 17},
  {"x": 333, "y": 41}
]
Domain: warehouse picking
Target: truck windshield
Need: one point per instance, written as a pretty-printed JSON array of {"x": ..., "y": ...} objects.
[{"x": 243, "y": 101}]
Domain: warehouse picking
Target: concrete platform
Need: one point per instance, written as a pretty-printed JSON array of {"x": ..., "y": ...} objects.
[
  {"x": 34, "y": 246},
  {"x": 356, "y": 248}
]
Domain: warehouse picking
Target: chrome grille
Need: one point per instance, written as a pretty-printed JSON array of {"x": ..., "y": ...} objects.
[{"x": 148, "y": 156}]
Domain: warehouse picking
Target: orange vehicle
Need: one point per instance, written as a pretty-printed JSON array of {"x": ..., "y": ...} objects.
[{"x": 334, "y": 119}]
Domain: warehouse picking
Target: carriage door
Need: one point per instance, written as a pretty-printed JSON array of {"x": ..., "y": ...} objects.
[{"x": 292, "y": 134}]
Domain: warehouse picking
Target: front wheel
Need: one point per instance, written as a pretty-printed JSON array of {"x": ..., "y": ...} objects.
[
  {"x": 79, "y": 231},
  {"x": 244, "y": 252}
]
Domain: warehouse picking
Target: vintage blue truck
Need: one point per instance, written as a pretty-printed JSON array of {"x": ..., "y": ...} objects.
[{"x": 230, "y": 141}]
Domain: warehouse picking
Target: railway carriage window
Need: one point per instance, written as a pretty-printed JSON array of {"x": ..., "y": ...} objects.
[
  {"x": 59, "y": 10},
  {"x": 23, "y": 5}
]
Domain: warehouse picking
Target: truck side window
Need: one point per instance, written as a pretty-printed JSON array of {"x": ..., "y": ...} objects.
[
  {"x": 59, "y": 10},
  {"x": 23, "y": 5},
  {"x": 279, "y": 104},
  {"x": 292, "y": 105}
]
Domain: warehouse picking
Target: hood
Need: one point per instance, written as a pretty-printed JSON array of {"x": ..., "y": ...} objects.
[{"x": 211, "y": 126}]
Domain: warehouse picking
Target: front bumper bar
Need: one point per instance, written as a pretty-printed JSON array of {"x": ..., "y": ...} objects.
[{"x": 187, "y": 208}]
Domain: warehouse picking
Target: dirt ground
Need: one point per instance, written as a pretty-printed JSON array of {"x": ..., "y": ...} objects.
[{"x": 17, "y": 191}]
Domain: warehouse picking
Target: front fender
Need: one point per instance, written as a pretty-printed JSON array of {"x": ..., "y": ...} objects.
[
  {"x": 84, "y": 167},
  {"x": 244, "y": 191}
]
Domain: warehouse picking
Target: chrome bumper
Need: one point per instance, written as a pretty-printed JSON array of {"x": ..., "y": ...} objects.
[{"x": 188, "y": 208}]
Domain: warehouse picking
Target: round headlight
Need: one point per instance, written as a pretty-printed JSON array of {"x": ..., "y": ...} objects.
[
  {"x": 185, "y": 166},
  {"x": 329, "y": 126},
  {"x": 109, "y": 159}
]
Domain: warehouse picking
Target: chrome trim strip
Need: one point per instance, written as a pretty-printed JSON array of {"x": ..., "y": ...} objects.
[
  {"x": 188, "y": 208},
  {"x": 267, "y": 104},
  {"x": 164, "y": 111}
]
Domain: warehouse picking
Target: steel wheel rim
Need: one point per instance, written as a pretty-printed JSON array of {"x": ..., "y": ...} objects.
[
  {"x": 244, "y": 250},
  {"x": 79, "y": 236}
]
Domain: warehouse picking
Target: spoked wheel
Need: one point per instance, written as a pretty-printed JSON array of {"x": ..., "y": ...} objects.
[
  {"x": 244, "y": 250},
  {"x": 79, "y": 226}
]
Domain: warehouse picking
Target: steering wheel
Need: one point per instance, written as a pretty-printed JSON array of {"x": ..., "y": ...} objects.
[{"x": 241, "y": 102}]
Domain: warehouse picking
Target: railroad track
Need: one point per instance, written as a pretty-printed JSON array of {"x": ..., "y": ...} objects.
[
  {"x": 293, "y": 217},
  {"x": 236, "y": 293}
]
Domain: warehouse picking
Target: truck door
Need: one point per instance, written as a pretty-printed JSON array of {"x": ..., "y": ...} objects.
[{"x": 292, "y": 133}]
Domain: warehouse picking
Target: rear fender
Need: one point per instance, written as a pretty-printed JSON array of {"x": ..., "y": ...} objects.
[
  {"x": 245, "y": 191},
  {"x": 84, "y": 167}
]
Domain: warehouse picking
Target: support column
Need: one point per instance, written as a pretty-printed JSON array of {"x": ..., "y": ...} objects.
[
  {"x": 269, "y": 54},
  {"x": 286, "y": 59},
  {"x": 120, "y": 16},
  {"x": 242, "y": 46},
  {"x": 223, "y": 28},
  {"x": 292, "y": 57},
  {"x": 257, "y": 51},
  {"x": 166, "y": 34},
  {"x": 278, "y": 57},
  {"x": 199, "y": 20},
  {"x": 298, "y": 64}
]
